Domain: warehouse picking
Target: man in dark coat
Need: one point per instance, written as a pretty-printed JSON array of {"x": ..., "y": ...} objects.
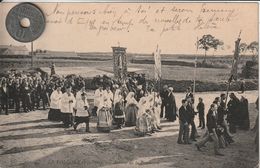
[
  {"x": 184, "y": 119},
  {"x": 233, "y": 112},
  {"x": 171, "y": 108},
  {"x": 212, "y": 127},
  {"x": 4, "y": 92},
  {"x": 192, "y": 114},
  {"x": 221, "y": 118},
  {"x": 244, "y": 122},
  {"x": 201, "y": 108},
  {"x": 164, "y": 94},
  {"x": 34, "y": 98},
  {"x": 43, "y": 94},
  {"x": 26, "y": 97},
  {"x": 17, "y": 96}
]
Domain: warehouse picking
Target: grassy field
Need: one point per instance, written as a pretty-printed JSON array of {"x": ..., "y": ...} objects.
[
  {"x": 180, "y": 77},
  {"x": 168, "y": 71}
]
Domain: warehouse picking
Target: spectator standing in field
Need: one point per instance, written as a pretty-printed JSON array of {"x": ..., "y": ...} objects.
[
  {"x": 184, "y": 121},
  {"x": 17, "y": 96},
  {"x": 34, "y": 97},
  {"x": 81, "y": 112},
  {"x": 201, "y": 109},
  {"x": 256, "y": 127},
  {"x": 164, "y": 94},
  {"x": 221, "y": 121},
  {"x": 257, "y": 118},
  {"x": 43, "y": 94},
  {"x": 67, "y": 104},
  {"x": 190, "y": 108},
  {"x": 233, "y": 111},
  {"x": 4, "y": 92},
  {"x": 53, "y": 69},
  {"x": 244, "y": 122},
  {"x": 26, "y": 97},
  {"x": 171, "y": 108},
  {"x": 212, "y": 127}
]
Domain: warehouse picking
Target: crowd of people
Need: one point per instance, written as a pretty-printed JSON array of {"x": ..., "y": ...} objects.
[
  {"x": 24, "y": 93},
  {"x": 117, "y": 106},
  {"x": 222, "y": 121}
]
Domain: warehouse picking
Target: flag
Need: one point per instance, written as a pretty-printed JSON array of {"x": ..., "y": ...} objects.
[
  {"x": 234, "y": 69},
  {"x": 157, "y": 64}
]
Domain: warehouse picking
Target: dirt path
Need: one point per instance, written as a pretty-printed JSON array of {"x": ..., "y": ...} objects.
[{"x": 30, "y": 140}]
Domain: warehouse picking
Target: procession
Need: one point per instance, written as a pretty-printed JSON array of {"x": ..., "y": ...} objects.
[
  {"x": 133, "y": 85},
  {"x": 132, "y": 103}
]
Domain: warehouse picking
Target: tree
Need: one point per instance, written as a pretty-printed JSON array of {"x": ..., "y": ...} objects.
[
  {"x": 253, "y": 48},
  {"x": 243, "y": 47},
  {"x": 208, "y": 41},
  {"x": 216, "y": 43}
]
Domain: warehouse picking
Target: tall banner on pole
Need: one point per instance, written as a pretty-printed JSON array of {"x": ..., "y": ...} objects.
[
  {"x": 157, "y": 64},
  {"x": 236, "y": 60},
  {"x": 234, "y": 74}
]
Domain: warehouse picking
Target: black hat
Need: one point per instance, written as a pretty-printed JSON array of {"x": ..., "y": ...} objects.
[
  {"x": 83, "y": 93},
  {"x": 222, "y": 95}
]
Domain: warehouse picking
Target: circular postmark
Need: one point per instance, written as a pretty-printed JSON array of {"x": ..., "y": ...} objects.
[{"x": 25, "y": 22}]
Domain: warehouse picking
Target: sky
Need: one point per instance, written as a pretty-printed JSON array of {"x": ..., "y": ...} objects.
[{"x": 140, "y": 27}]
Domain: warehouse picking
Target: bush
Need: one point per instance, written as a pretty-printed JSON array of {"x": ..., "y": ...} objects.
[
  {"x": 250, "y": 70},
  {"x": 212, "y": 64},
  {"x": 181, "y": 86}
]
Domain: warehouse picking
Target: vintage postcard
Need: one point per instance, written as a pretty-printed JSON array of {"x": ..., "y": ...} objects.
[{"x": 129, "y": 84}]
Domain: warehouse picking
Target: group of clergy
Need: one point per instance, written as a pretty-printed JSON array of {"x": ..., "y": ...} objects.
[
  {"x": 114, "y": 107},
  {"x": 71, "y": 110}
]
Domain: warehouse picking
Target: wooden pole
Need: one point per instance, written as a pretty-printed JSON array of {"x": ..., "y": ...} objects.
[
  {"x": 31, "y": 54},
  {"x": 195, "y": 70}
]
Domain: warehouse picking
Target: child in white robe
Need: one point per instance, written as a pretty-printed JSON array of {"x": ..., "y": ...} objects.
[{"x": 81, "y": 112}]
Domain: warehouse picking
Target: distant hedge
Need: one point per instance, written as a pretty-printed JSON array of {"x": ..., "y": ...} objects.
[
  {"x": 181, "y": 86},
  {"x": 182, "y": 63}
]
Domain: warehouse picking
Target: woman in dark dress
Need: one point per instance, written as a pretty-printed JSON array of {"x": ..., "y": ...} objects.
[{"x": 171, "y": 108}]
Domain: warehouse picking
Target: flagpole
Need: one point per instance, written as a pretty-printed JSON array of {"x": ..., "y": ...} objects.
[
  {"x": 157, "y": 68},
  {"x": 195, "y": 70},
  {"x": 31, "y": 54}
]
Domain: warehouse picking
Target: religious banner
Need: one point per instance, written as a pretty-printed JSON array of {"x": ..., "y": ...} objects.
[
  {"x": 234, "y": 69},
  {"x": 157, "y": 64}
]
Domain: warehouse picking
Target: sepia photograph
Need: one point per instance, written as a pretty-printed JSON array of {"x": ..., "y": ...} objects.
[{"x": 129, "y": 84}]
